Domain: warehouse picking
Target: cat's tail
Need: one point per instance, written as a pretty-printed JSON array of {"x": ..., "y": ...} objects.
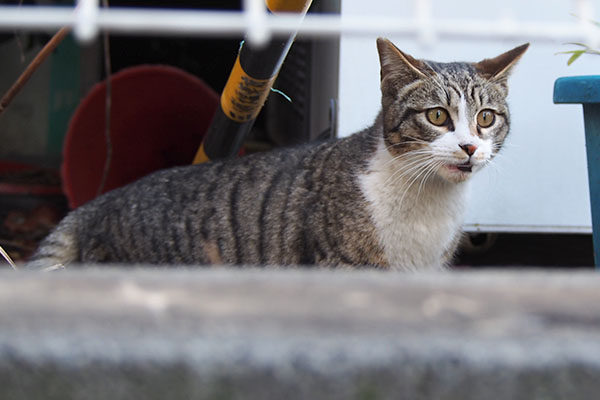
[{"x": 58, "y": 249}]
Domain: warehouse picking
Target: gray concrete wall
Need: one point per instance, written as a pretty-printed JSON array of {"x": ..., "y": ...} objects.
[{"x": 269, "y": 334}]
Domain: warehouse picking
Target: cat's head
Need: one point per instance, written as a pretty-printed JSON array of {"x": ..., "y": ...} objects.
[{"x": 448, "y": 119}]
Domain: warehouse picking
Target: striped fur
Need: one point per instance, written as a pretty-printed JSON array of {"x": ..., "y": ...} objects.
[
  {"x": 292, "y": 206},
  {"x": 346, "y": 202}
]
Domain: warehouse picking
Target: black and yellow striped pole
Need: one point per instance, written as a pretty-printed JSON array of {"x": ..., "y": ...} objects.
[{"x": 246, "y": 90}]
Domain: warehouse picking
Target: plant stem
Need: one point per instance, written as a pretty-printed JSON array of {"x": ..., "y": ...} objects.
[
  {"x": 8, "y": 259},
  {"x": 32, "y": 67}
]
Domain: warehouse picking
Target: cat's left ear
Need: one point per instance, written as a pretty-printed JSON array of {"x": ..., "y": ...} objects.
[
  {"x": 395, "y": 63},
  {"x": 499, "y": 68}
]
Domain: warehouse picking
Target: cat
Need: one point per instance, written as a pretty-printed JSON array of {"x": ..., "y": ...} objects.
[{"x": 391, "y": 196}]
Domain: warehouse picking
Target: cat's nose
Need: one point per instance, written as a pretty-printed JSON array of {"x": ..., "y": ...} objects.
[{"x": 470, "y": 149}]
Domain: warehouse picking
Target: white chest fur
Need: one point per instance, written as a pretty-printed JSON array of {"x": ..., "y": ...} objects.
[{"x": 416, "y": 223}]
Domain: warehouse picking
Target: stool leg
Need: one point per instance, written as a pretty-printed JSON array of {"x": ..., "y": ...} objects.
[{"x": 591, "y": 116}]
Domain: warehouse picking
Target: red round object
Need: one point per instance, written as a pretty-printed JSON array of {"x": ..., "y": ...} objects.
[{"x": 159, "y": 115}]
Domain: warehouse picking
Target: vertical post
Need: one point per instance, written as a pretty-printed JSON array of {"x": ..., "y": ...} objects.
[
  {"x": 585, "y": 90},
  {"x": 86, "y": 21},
  {"x": 424, "y": 18},
  {"x": 591, "y": 119},
  {"x": 247, "y": 88}
]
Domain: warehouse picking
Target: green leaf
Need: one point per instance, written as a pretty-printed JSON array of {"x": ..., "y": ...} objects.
[
  {"x": 575, "y": 56},
  {"x": 577, "y": 44}
]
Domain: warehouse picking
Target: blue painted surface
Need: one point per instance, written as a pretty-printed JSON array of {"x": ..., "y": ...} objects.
[
  {"x": 577, "y": 89},
  {"x": 591, "y": 117},
  {"x": 585, "y": 90}
]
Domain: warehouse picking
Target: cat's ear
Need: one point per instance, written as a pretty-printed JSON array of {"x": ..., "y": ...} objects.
[
  {"x": 498, "y": 68},
  {"x": 396, "y": 63}
]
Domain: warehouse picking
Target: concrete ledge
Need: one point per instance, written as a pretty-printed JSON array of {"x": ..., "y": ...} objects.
[{"x": 274, "y": 334}]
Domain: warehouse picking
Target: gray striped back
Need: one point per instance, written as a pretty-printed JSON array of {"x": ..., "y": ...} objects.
[{"x": 291, "y": 206}]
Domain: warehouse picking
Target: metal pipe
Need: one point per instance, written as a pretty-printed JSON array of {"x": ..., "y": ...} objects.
[
  {"x": 249, "y": 84},
  {"x": 86, "y": 26},
  {"x": 134, "y": 21}
]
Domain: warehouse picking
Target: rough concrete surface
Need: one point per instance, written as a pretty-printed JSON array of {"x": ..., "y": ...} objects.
[{"x": 299, "y": 334}]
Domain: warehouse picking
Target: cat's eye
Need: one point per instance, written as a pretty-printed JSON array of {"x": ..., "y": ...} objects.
[
  {"x": 437, "y": 116},
  {"x": 486, "y": 118}
]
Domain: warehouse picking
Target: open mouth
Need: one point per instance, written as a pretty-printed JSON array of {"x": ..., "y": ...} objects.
[{"x": 465, "y": 167}]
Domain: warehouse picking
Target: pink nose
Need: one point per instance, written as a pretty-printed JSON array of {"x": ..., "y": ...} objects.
[{"x": 470, "y": 149}]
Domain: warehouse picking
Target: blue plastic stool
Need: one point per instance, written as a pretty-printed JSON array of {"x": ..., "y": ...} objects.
[{"x": 585, "y": 90}]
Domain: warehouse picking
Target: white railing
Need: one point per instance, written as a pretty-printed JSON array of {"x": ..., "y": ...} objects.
[{"x": 88, "y": 18}]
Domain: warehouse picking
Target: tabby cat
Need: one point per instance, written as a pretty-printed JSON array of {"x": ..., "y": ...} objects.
[{"x": 391, "y": 196}]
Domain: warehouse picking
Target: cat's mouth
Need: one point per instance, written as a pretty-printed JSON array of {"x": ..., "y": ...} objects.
[{"x": 465, "y": 167}]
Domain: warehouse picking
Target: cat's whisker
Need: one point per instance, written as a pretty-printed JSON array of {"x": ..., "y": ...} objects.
[
  {"x": 412, "y": 140},
  {"x": 414, "y": 152},
  {"x": 412, "y": 155},
  {"x": 416, "y": 140},
  {"x": 409, "y": 185},
  {"x": 406, "y": 174},
  {"x": 433, "y": 167},
  {"x": 406, "y": 169},
  {"x": 492, "y": 166},
  {"x": 409, "y": 152},
  {"x": 423, "y": 172},
  {"x": 397, "y": 146},
  {"x": 508, "y": 157},
  {"x": 422, "y": 178},
  {"x": 506, "y": 143},
  {"x": 497, "y": 146},
  {"x": 400, "y": 174},
  {"x": 409, "y": 158}
]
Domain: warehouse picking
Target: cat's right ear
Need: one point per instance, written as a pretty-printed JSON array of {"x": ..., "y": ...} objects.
[
  {"x": 395, "y": 63},
  {"x": 498, "y": 68}
]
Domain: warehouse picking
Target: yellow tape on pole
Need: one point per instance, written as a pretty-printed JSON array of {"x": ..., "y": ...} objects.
[
  {"x": 244, "y": 96},
  {"x": 288, "y": 5},
  {"x": 201, "y": 155}
]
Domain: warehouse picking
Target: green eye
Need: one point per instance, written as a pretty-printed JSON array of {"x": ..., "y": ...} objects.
[
  {"x": 486, "y": 118},
  {"x": 437, "y": 116}
]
